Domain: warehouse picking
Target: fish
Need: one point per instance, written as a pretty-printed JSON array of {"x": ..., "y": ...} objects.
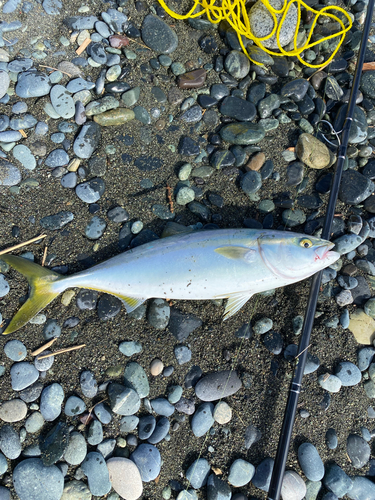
[{"x": 231, "y": 264}]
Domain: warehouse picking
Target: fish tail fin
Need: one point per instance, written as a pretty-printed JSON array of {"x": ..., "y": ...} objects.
[{"x": 43, "y": 291}]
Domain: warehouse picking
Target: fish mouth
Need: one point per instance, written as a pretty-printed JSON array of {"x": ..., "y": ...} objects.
[{"x": 323, "y": 251}]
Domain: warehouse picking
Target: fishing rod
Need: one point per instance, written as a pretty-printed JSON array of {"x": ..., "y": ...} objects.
[{"x": 295, "y": 387}]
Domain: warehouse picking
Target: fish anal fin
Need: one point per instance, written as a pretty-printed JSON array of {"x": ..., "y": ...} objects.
[
  {"x": 237, "y": 253},
  {"x": 131, "y": 303},
  {"x": 234, "y": 303}
]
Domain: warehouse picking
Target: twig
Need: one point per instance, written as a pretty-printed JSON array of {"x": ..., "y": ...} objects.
[
  {"x": 298, "y": 355},
  {"x": 83, "y": 46},
  {"x": 19, "y": 245},
  {"x": 169, "y": 198},
  {"x": 44, "y": 347},
  {"x": 44, "y": 255},
  {"x": 55, "y": 69},
  {"x": 6, "y": 39},
  {"x": 139, "y": 43},
  {"x": 61, "y": 351},
  {"x": 320, "y": 69},
  {"x": 23, "y": 133},
  {"x": 92, "y": 408}
]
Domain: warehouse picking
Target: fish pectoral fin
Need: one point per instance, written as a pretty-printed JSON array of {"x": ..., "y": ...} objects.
[
  {"x": 130, "y": 303},
  {"x": 240, "y": 253},
  {"x": 234, "y": 304}
]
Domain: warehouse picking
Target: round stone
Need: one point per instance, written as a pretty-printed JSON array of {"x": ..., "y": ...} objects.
[
  {"x": 262, "y": 24},
  {"x": 348, "y": 373},
  {"x": 74, "y": 406},
  {"x": 23, "y": 374},
  {"x": 358, "y": 451},
  {"x": 222, "y": 412},
  {"x": 202, "y": 419},
  {"x": 310, "y": 461},
  {"x": 156, "y": 367},
  {"x": 237, "y": 64},
  {"x": 51, "y": 400},
  {"x": 240, "y": 473},
  {"x": 218, "y": 385},
  {"x": 125, "y": 478},
  {"x": 148, "y": 460},
  {"x": 95, "y": 469},
  {"x": 293, "y": 487},
  {"x": 76, "y": 450},
  {"x": 198, "y": 472},
  {"x": 13, "y": 410},
  {"x": 34, "y": 423},
  {"x": 15, "y": 350},
  {"x": 34, "y": 481}
]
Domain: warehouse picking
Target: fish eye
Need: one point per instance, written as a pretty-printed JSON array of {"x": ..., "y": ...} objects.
[{"x": 306, "y": 243}]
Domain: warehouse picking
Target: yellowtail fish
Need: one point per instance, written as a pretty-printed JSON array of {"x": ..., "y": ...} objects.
[{"x": 226, "y": 263}]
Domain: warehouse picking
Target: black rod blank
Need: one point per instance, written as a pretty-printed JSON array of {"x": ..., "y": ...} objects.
[{"x": 295, "y": 388}]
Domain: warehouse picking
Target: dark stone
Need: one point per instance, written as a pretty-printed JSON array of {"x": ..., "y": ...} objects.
[
  {"x": 355, "y": 187},
  {"x": 240, "y": 109},
  {"x": 295, "y": 90},
  {"x": 188, "y": 146},
  {"x": 108, "y": 307},
  {"x": 361, "y": 293},
  {"x": 182, "y": 325},
  {"x": 148, "y": 163},
  {"x": 54, "y": 443}
]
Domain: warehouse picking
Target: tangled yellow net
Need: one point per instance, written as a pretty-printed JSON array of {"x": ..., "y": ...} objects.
[{"x": 235, "y": 13}]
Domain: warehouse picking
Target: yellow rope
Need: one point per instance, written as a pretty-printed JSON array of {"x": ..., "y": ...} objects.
[{"x": 234, "y": 11}]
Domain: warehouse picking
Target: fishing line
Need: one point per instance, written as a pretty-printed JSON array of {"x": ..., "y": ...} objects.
[{"x": 235, "y": 13}]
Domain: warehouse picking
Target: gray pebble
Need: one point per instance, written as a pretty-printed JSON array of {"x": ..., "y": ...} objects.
[
  {"x": 23, "y": 374},
  {"x": 51, "y": 400},
  {"x": 203, "y": 419},
  {"x": 15, "y": 350},
  {"x": 95, "y": 469},
  {"x": 34, "y": 481}
]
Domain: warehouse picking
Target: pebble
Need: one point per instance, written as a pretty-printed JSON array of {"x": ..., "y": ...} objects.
[
  {"x": 198, "y": 472},
  {"x": 34, "y": 422},
  {"x": 74, "y": 406},
  {"x": 13, "y": 410},
  {"x": 218, "y": 385},
  {"x": 15, "y": 350},
  {"x": 148, "y": 460},
  {"x": 362, "y": 488},
  {"x": 336, "y": 480},
  {"x": 34, "y": 481},
  {"x": 76, "y": 490},
  {"x": 262, "y": 326},
  {"x": 202, "y": 419},
  {"x": 95, "y": 469},
  {"x": 222, "y": 413},
  {"x": 330, "y": 382},
  {"x": 161, "y": 406},
  {"x": 263, "y": 473},
  {"x": 183, "y": 354},
  {"x": 156, "y": 367},
  {"x": 130, "y": 348},
  {"x": 90, "y": 191},
  {"x": 51, "y": 400},
  {"x": 358, "y": 451},
  {"x": 10, "y": 444},
  {"x": 331, "y": 439},
  {"x": 348, "y": 373},
  {"x": 135, "y": 377},
  {"x": 312, "y": 152},
  {"x": 158, "y": 314},
  {"x": 293, "y": 487},
  {"x": 23, "y": 374},
  {"x": 32, "y": 84},
  {"x": 62, "y": 101},
  {"x": 87, "y": 141},
  {"x": 157, "y": 35},
  {"x": 310, "y": 462},
  {"x": 240, "y": 473},
  {"x": 242, "y": 134},
  {"x": 364, "y": 357},
  {"x": 125, "y": 477},
  {"x": 95, "y": 433},
  {"x": 217, "y": 488},
  {"x": 9, "y": 173}
]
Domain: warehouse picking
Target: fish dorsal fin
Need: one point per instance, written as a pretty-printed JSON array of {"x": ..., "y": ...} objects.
[
  {"x": 235, "y": 302},
  {"x": 237, "y": 253}
]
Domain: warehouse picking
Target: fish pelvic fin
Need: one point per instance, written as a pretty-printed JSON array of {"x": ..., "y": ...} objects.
[
  {"x": 42, "y": 291},
  {"x": 234, "y": 303}
]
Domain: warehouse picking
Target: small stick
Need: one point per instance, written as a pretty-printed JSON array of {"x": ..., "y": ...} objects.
[
  {"x": 169, "y": 198},
  {"x": 302, "y": 351},
  {"x": 55, "y": 69},
  {"x": 83, "y": 46},
  {"x": 44, "y": 347},
  {"x": 23, "y": 133},
  {"x": 320, "y": 69},
  {"x": 6, "y": 39},
  {"x": 61, "y": 351},
  {"x": 139, "y": 43},
  {"x": 19, "y": 245},
  {"x": 44, "y": 256}
]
